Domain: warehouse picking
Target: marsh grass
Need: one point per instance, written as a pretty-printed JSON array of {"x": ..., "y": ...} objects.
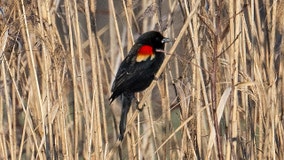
[{"x": 218, "y": 95}]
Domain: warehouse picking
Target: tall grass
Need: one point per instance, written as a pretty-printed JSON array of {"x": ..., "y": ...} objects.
[{"x": 218, "y": 95}]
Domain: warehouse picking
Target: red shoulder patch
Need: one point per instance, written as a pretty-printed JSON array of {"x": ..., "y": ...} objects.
[
  {"x": 144, "y": 53},
  {"x": 145, "y": 50}
]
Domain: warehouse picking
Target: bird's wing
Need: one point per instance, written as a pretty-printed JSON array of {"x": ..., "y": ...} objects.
[{"x": 130, "y": 69}]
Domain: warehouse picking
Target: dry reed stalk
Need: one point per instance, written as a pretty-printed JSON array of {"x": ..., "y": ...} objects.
[
  {"x": 112, "y": 10},
  {"x": 63, "y": 110},
  {"x": 75, "y": 24},
  {"x": 3, "y": 139}
]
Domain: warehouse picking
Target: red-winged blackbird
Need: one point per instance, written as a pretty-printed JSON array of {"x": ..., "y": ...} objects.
[{"x": 137, "y": 71}]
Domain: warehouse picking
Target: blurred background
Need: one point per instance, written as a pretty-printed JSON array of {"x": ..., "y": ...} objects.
[{"x": 220, "y": 95}]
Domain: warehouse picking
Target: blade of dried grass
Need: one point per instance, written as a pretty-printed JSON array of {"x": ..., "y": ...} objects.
[
  {"x": 166, "y": 116},
  {"x": 25, "y": 109},
  {"x": 112, "y": 9},
  {"x": 200, "y": 82},
  {"x": 220, "y": 110},
  {"x": 183, "y": 93},
  {"x": 9, "y": 113},
  {"x": 94, "y": 47},
  {"x": 65, "y": 144},
  {"x": 222, "y": 102},
  {"x": 103, "y": 78},
  {"x": 3, "y": 144},
  {"x": 179, "y": 128},
  {"x": 3, "y": 43},
  {"x": 235, "y": 24},
  {"x": 45, "y": 86},
  {"x": 272, "y": 92},
  {"x": 84, "y": 84},
  {"x": 128, "y": 13},
  {"x": 34, "y": 76},
  {"x": 33, "y": 66},
  {"x": 151, "y": 121},
  {"x": 27, "y": 40}
]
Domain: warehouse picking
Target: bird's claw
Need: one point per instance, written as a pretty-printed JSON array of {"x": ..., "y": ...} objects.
[
  {"x": 139, "y": 108},
  {"x": 156, "y": 78}
]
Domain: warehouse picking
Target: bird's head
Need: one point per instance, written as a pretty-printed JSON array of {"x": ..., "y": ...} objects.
[{"x": 154, "y": 39}]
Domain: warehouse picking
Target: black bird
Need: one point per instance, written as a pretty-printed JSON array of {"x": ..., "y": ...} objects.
[{"x": 137, "y": 71}]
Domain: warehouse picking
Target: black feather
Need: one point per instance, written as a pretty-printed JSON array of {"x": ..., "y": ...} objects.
[{"x": 133, "y": 76}]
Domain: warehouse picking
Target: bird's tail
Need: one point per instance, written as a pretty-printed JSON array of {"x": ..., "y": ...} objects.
[{"x": 126, "y": 103}]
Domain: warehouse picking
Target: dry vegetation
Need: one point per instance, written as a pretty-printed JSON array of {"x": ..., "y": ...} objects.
[{"x": 219, "y": 94}]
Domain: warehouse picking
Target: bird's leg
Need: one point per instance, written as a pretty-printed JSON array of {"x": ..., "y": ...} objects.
[
  {"x": 137, "y": 104},
  {"x": 126, "y": 103}
]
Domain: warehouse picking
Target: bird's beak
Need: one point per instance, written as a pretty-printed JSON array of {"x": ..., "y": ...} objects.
[{"x": 166, "y": 40}]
